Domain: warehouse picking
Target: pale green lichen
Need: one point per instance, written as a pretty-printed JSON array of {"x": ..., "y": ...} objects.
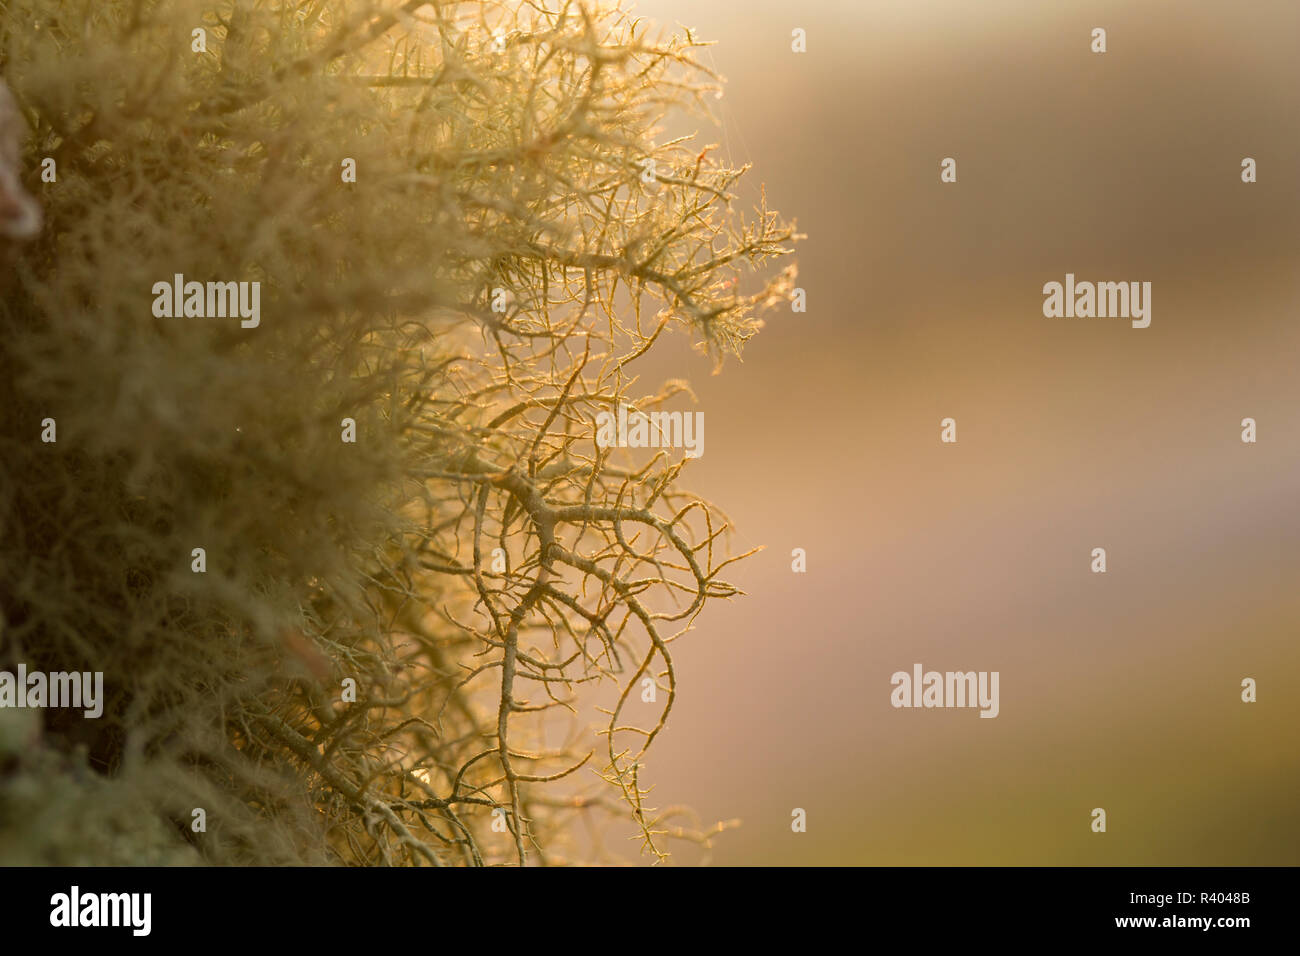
[{"x": 500, "y": 156}]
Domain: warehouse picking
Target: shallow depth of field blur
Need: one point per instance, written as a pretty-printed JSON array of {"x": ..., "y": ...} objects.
[{"x": 1120, "y": 690}]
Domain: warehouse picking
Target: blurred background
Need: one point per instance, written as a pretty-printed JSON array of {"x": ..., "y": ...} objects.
[{"x": 1121, "y": 690}]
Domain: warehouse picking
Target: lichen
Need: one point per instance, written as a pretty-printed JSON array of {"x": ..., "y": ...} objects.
[{"x": 470, "y": 302}]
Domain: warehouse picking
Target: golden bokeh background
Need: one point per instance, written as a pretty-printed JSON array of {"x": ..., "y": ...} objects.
[{"x": 1119, "y": 690}]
